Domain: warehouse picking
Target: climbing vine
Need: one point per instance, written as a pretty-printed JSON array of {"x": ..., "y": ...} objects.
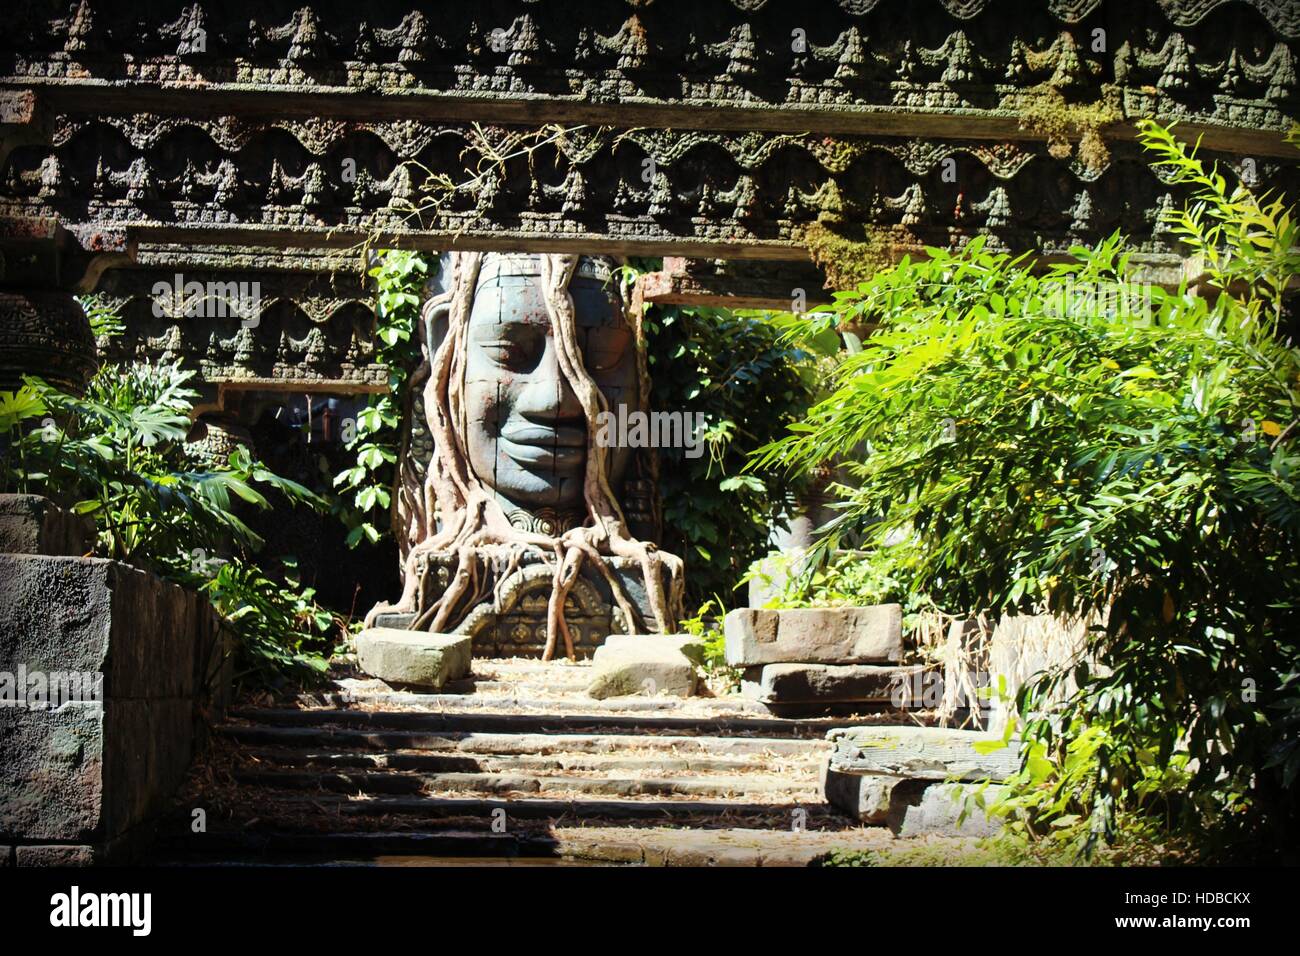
[{"x": 365, "y": 496}]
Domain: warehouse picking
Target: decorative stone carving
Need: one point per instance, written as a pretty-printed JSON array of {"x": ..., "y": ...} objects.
[
  {"x": 213, "y": 440},
  {"x": 45, "y": 334}
]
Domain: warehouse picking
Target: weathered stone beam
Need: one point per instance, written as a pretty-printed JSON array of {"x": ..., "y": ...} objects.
[
  {"x": 1006, "y": 124},
  {"x": 278, "y": 182},
  {"x": 725, "y": 286},
  {"x": 920, "y": 753}
]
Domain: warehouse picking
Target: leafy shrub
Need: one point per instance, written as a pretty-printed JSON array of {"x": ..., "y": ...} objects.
[
  {"x": 735, "y": 372},
  {"x": 118, "y": 455},
  {"x": 1051, "y": 444},
  {"x": 399, "y": 277}
]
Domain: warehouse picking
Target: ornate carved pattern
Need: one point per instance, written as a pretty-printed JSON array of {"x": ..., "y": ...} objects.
[
  {"x": 1229, "y": 62},
  {"x": 283, "y": 176},
  {"x": 515, "y": 624},
  {"x": 45, "y": 334},
  {"x": 313, "y": 330}
]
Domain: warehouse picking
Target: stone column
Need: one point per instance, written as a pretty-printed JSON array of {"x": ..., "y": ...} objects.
[{"x": 45, "y": 334}]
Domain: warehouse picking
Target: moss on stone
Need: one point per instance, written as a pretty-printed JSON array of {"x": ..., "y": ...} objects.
[
  {"x": 1046, "y": 111},
  {"x": 847, "y": 259}
]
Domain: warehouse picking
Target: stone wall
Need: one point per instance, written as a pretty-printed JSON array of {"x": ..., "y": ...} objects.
[{"x": 107, "y": 674}]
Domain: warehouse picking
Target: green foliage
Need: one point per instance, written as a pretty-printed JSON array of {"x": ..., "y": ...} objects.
[
  {"x": 720, "y": 676},
  {"x": 104, "y": 318},
  {"x": 283, "y": 632},
  {"x": 842, "y": 579},
  {"x": 1045, "y": 809},
  {"x": 118, "y": 456},
  {"x": 748, "y": 386},
  {"x": 1066, "y": 438},
  {"x": 399, "y": 276}
]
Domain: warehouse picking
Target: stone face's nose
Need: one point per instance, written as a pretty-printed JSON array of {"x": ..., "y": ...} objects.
[{"x": 545, "y": 396}]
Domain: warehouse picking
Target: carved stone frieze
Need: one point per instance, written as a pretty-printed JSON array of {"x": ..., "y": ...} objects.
[
  {"x": 1228, "y": 62},
  {"x": 678, "y": 191}
]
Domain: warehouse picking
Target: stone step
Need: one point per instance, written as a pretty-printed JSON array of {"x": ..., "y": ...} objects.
[
  {"x": 382, "y": 782},
  {"x": 478, "y": 813},
  {"x": 796, "y": 767},
  {"x": 445, "y": 843},
  {"x": 647, "y": 846},
  {"x": 512, "y": 698},
  {"x": 810, "y": 727},
  {"x": 469, "y": 742}
]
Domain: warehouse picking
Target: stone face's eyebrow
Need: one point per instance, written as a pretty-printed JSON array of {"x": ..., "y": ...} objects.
[{"x": 509, "y": 300}]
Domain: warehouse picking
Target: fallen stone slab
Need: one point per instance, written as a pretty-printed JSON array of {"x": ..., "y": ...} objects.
[
  {"x": 921, "y": 808},
  {"x": 838, "y": 635},
  {"x": 824, "y": 683},
  {"x": 644, "y": 664},
  {"x": 864, "y": 797},
  {"x": 31, "y": 524},
  {"x": 414, "y": 658},
  {"x": 920, "y": 753}
]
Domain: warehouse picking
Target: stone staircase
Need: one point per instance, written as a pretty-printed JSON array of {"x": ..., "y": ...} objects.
[{"x": 512, "y": 765}]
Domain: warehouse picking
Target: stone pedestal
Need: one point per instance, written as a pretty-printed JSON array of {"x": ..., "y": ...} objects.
[{"x": 515, "y": 625}]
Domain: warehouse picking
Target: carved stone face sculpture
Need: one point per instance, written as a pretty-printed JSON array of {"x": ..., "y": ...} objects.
[
  {"x": 523, "y": 354},
  {"x": 526, "y": 435}
]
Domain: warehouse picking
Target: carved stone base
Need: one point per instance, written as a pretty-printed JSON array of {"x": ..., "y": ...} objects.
[{"x": 515, "y": 626}]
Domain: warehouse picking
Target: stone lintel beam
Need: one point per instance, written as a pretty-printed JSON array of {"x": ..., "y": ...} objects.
[
  {"x": 688, "y": 282},
  {"x": 1001, "y": 124},
  {"x": 586, "y": 241}
]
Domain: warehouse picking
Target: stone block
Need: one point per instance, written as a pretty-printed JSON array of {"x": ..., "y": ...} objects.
[
  {"x": 644, "y": 664},
  {"x": 416, "y": 658},
  {"x": 57, "y": 855},
  {"x": 922, "y": 808},
  {"x": 922, "y": 753},
  {"x": 144, "y": 659},
  {"x": 52, "y": 772},
  {"x": 864, "y": 797},
  {"x": 824, "y": 683},
  {"x": 839, "y": 635},
  {"x": 31, "y": 524},
  {"x": 147, "y": 637},
  {"x": 89, "y": 771}
]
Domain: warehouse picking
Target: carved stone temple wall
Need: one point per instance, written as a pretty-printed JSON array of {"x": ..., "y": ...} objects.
[{"x": 269, "y": 142}]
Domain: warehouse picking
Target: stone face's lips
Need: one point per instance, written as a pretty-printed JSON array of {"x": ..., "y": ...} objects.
[
  {"x": 544, "y": 436},
  {"x": 551, "y": 457}
]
